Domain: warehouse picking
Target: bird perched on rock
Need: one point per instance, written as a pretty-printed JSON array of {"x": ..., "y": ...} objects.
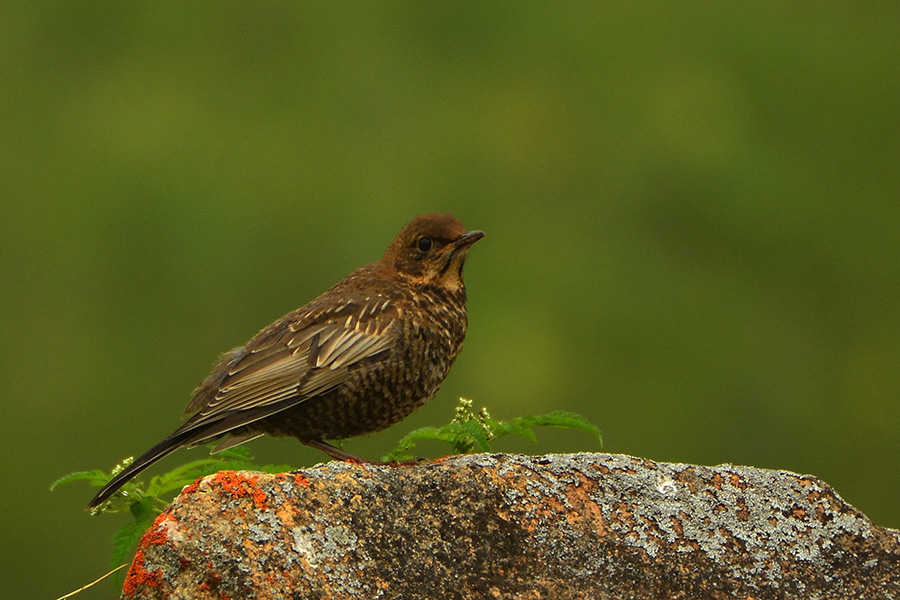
[{"x": 359, "y": 358}]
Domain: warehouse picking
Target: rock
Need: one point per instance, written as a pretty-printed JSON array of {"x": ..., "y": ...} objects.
[{"x": 589, "y": 526}]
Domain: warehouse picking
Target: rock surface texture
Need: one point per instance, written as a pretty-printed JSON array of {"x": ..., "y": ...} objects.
[{"x": 591, "y": 526}]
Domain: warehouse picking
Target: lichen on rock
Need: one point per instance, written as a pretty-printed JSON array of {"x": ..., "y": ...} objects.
[{"x": 508, "y": 526}]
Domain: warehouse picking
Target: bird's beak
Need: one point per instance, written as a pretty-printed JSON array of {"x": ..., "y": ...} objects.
[{"x": 467, "y": 239}]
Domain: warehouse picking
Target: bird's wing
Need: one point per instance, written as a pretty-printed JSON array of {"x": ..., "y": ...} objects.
[{"x": 306, "y": 358}]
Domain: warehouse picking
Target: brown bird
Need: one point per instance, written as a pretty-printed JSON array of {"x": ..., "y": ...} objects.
[{"x": 357, "y": 359}]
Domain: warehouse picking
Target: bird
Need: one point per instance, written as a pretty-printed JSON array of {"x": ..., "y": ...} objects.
[{"x": 360, "y": 357}]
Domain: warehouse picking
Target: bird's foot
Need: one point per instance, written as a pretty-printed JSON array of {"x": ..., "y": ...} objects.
[{"x": 344, "y": 456}]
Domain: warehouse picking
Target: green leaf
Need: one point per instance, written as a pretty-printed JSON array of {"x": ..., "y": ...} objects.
[
  {"x": 96, "y": 478},
  {"x": 472, "y": 432},
  {"x": 145, "y": 510},
  {"x": 404, "y": 447},
  {"x": 515, "y": 427},
  {"x": 468, "y": 431},
  {"x": 124, "y": 541},
  {"x": 566, "y": 420}
]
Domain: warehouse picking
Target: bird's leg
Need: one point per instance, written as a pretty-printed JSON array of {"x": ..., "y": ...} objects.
[
  {"x": 342, "y": 455},
  {"x": 334, "y": 452}
]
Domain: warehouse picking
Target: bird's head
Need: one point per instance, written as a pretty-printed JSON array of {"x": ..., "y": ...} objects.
[{"x": 432, "y": 249}]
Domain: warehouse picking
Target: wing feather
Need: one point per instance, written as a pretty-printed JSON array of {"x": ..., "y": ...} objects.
[
  {"x": 312, "y": 357},
  {"x": 268, "y": 385},
  {"x": 336, "y": 346}
]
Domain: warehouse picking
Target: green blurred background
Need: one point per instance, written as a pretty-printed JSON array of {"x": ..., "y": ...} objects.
[{"x": 691, "y": 211}]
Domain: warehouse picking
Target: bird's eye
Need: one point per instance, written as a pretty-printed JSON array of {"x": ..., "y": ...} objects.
[{"x": 424, "y": 244}]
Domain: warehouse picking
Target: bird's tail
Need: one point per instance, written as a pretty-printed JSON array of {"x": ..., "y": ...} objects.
[
  {"x": 157, "y": 452},
  {"x": 198, "y": 430}
]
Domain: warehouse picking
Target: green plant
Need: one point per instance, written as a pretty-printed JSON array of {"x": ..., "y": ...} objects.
[
  {"x": 145, "y": 501},
  {"x": 470, "y": 432}
]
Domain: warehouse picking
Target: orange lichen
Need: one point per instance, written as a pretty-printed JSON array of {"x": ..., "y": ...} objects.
[
  {"x": 239, "y": 486},
  {"x": 138, "y": 576},
  {"x": 297, "y": 478},
  {"x": 234, "y": 483},
  {"x": 158, "y": 532},
  {"x": 190, "y": 489}
]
